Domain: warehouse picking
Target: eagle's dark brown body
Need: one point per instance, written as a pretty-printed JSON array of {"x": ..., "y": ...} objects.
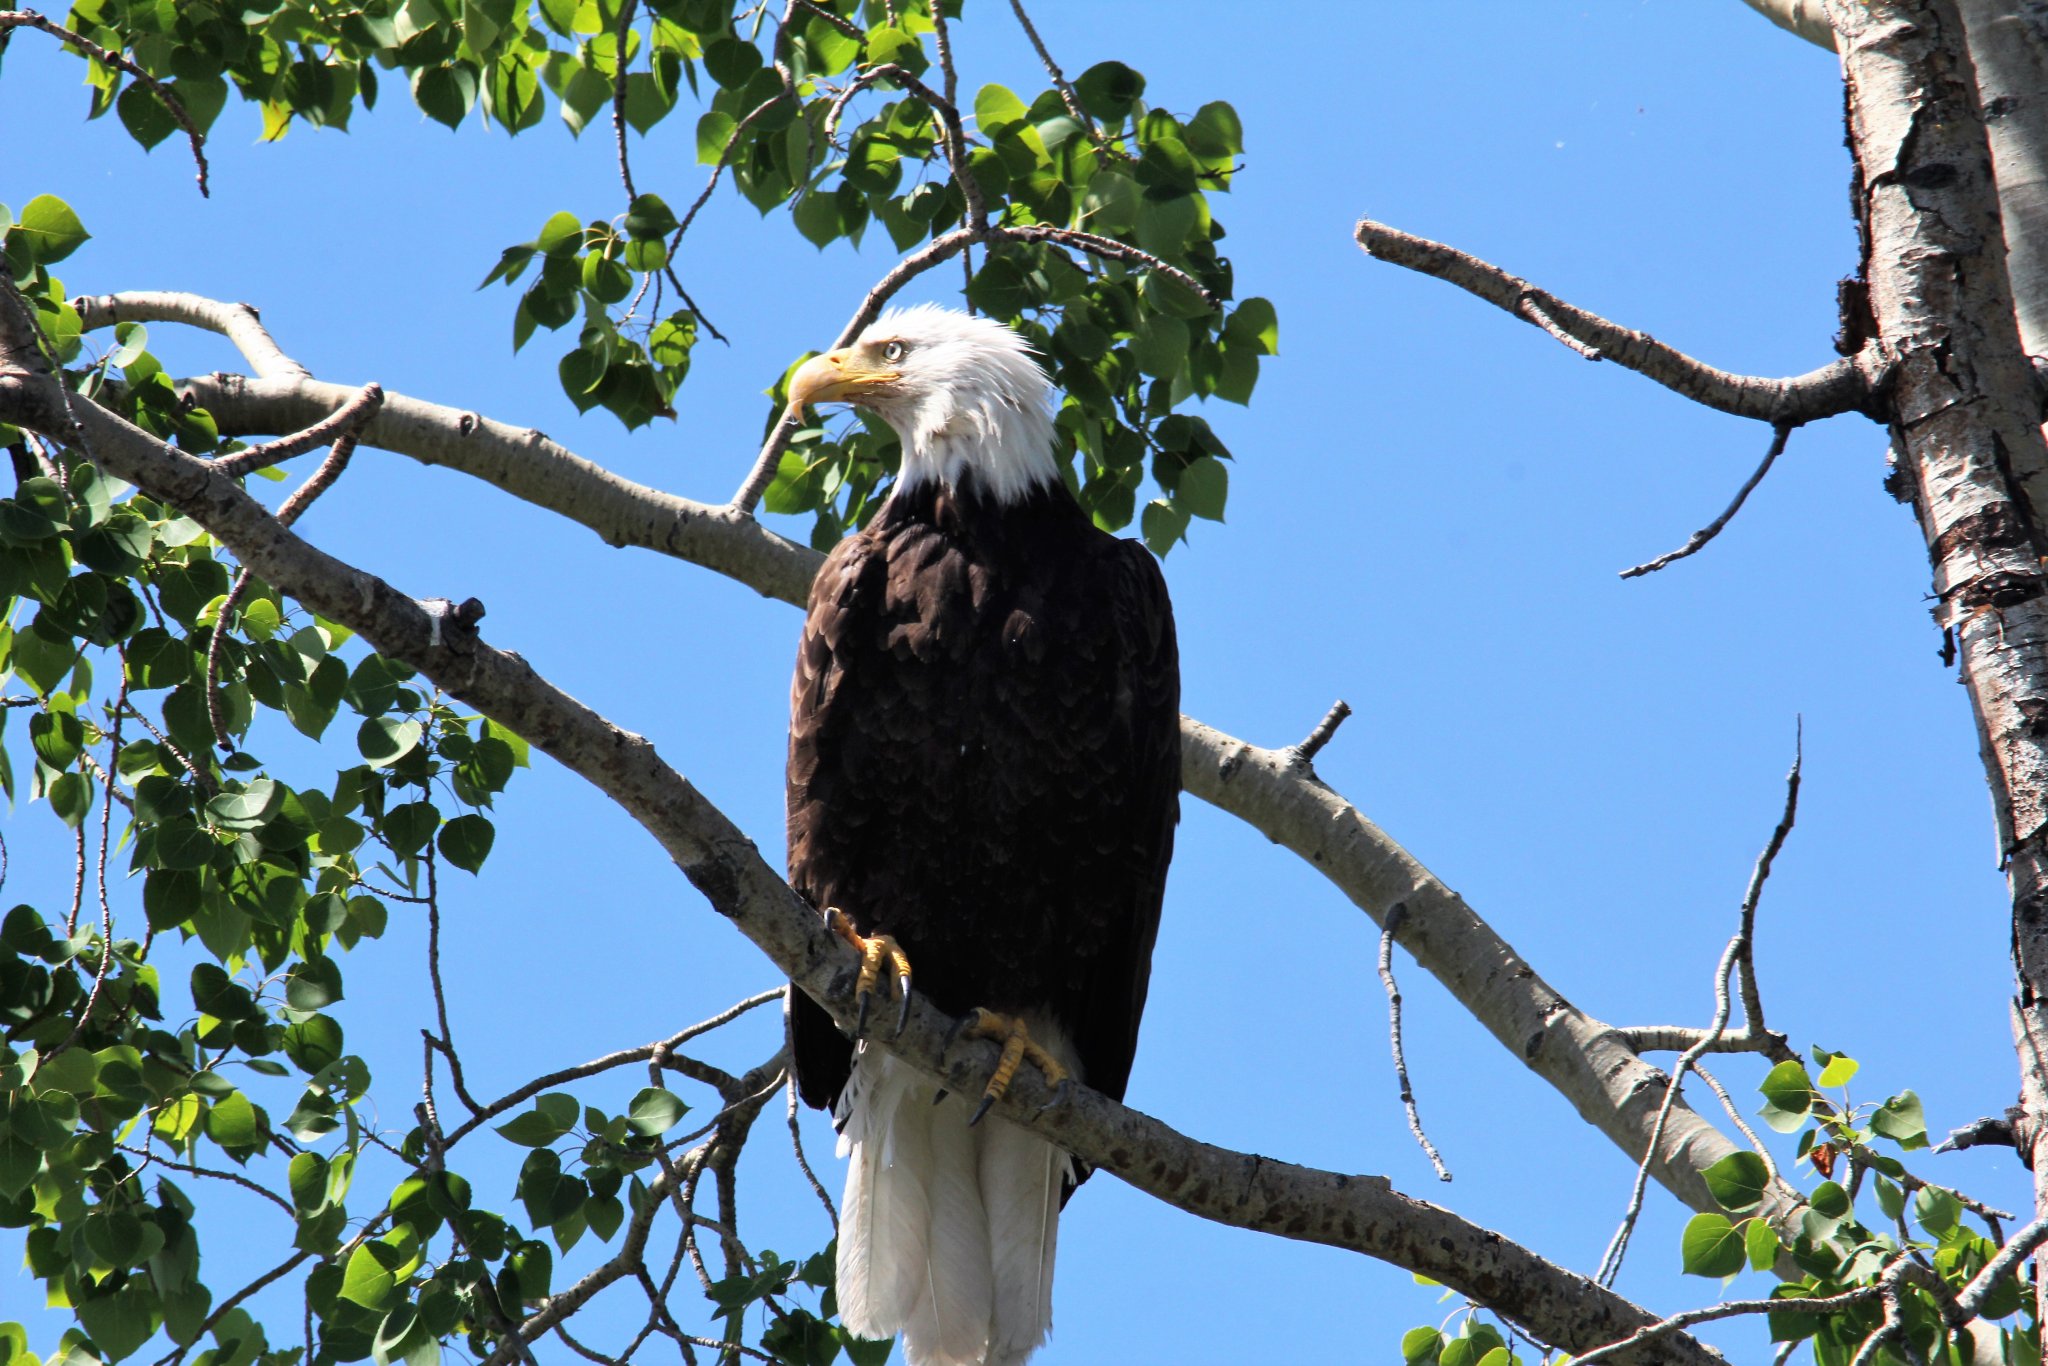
[{"x": 984, "y": 762}]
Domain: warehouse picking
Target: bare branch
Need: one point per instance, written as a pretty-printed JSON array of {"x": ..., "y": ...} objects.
[
  {"x": 1394, "y": 917},
  {"x": 1698, "y": 540},
  {"x": 608, "y": 1062},
  {"x": 1842, "y": 386},
  {"x": 1060, "y": 82},
  {"x": 174, "y": 106},
  {"x": 621, "y": 32},
  {"x": 1325, "y": 731},
  {"x": 346, "y": 421},
  {"x": 191, "y": 1170},
  {"x": 239, "y": 323}
]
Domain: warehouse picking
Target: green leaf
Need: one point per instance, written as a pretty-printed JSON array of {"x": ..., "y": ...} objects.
[
  {"x": 466, "y": 841},
  {"x": 1202, "y": 488},
  {"x": 1254, "y": 321},
  {"x": 49, "y": 229},
  {"x": 1215, "y": 132},
  {"x": 533, "y": 1129},
  {"x": 1830, "y": 1200},
  {"x": 1836, "y": 1070},
  {"x": 1937, "y": 1210},
  {"x": 118, "y": 1323},
  {"x": 1738, "y": 1181},
  {"x": 1711, "y": 1246},
  {"x": 1760, "y": 1241},
  {"x": 649, "y": 217},
  {"x": 367, "y": 1281},
  {"x": 561, "y": 235},
  {"x": 1788, "y": 1093},
  {"x": 1421, "y": 1344},
  {"x": 1163, "y": 525},
  {"x": 384, "y": 740},
  {"x": 1902, "y": 1120},
  {"x": 1108, "y": 90},
  {"x": 655, "y": 1111},
  {"x": 233, "y": 1123},
  {"x": 999, "y": 112}
]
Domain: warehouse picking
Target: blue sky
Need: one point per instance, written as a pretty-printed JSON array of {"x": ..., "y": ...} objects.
[{"x": 1429, "y": 505}]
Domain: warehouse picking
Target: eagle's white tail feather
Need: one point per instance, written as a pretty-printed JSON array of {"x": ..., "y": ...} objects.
[
  {"x": 950, "y": 1323},
  {"x": 884, "y": 1220},
  {"x": 1021, "y": 1179},
  {"x": 946, "y": 1234}
]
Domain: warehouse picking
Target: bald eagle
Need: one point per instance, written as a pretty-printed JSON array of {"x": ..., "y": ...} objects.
[{"x": 984, "y": 778}]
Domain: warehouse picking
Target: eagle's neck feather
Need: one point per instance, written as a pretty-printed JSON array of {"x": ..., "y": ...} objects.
[{"x": 1005, "y": 443}]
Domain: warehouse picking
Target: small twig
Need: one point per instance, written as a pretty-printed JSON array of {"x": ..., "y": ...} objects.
[
  {"x": 1735, "y": 1117},
  {"x": 1729, "y": 1309},
  {"x": 1779, "y": 435},
  {"x": 172, "y": 104},
  {"x": 200, "y": 779},
  {"x": 620, "y": 35},
  {"x": 1061, "y": 84},
  {"x": 609, "y": 1061},
  {"x": 845, "y": 26},
  {"x": 1325, "y": 729},
  {"x": 99, "y": 976},
  {"x": 447, "y": 1039},
  {"x": 1109, "y": 249},
  {"x": 1617, "y": 1248},
  {"x": 1395, "y": 915},
  {"x": 278, "y": 1272},
  {"x": 359, "y": 411},
  {"x": 1527, "y": 307},
  {"x": 1745, "y": 956},
  {"x": 1891, "y": 1329},
  {"x": 160, "y": 1160},
  {"x": 796, "y": 1144},
  {"x": 350, "y": 417}
]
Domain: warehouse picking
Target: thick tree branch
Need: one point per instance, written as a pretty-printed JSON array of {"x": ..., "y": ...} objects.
[
  {"x": 1362, "y": 1214},
  {"x": 1841, "y": 386}
]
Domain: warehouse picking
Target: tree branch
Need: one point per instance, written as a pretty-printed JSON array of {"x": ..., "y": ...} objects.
[{"x": 1841, "y": 386}]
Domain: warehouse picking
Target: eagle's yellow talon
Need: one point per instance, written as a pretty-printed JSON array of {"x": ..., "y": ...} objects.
[
  {"x": 873, "y": 951},
  {"x": 1018, "y": 1045}
]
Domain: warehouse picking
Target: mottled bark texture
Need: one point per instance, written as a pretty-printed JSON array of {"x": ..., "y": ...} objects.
[{"x": 1965, "y": 423}]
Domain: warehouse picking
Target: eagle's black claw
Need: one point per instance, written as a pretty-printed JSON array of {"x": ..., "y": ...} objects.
[
  {"x": 988, "y": 1099},
  {"x": 860, "y": 1014},
  {"x": 1060, "y": 1092},
  {"x": 960, "y": 1026},
  {"x": 903, "y": 1008},
  {"x": 940, "y": 1098}
]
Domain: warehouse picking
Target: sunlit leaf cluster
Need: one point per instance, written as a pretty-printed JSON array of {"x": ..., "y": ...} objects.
[{"x": 811, "y": 122}]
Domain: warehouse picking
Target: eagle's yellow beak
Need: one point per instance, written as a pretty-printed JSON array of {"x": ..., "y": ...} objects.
[{"x": 839, "y": 376}]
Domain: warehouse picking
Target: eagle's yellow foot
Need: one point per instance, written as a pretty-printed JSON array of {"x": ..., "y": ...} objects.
[
  {"x": 872, "y": 953},
  {"x": 1018, "y": 1045}
]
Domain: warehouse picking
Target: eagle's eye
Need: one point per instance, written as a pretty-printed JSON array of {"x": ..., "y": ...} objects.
[{"x": 892, "y": 352}]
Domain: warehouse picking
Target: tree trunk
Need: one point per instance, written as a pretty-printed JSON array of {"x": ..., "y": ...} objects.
[{"x": 1965, "y": 418}]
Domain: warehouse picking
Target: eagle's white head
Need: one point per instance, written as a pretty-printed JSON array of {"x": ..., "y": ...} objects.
[{"x": 962, "y": 392}]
